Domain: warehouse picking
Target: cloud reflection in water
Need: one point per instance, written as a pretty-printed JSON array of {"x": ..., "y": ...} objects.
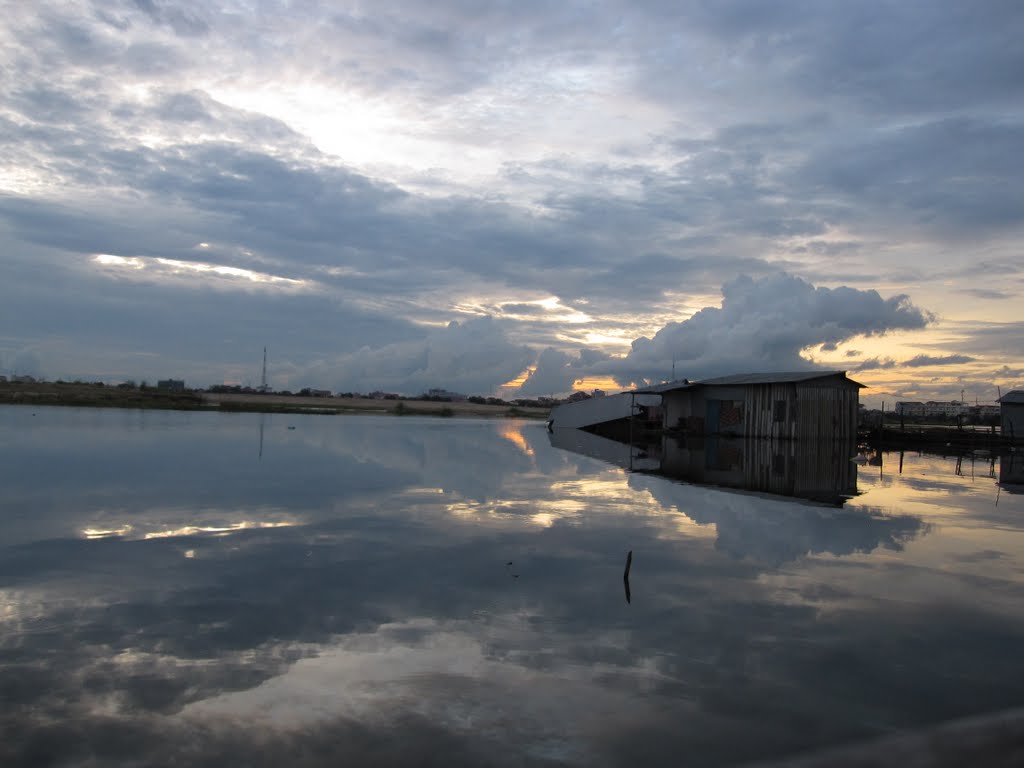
[{"x": 375, "y": 617}]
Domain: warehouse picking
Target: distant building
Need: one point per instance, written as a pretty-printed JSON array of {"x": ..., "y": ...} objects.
[
  {"x": 23, "y": 379},
  {"x": 444, "y": 394},
  {"x": 910, "y": 408},
  {"x": 932, "y": 409},
  {"x": 1011, "y": 416},
  {"x": 985, "y": 411},
  {"x": 171, "y": 385}
]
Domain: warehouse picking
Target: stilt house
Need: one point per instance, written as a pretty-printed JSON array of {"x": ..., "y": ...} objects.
[{"x": 806, "y": 405}]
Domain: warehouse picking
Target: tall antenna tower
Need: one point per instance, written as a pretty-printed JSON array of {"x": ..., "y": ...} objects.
[{"x": 263, "y": 378}]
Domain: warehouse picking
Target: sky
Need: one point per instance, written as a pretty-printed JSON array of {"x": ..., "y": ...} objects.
[{"x": 514, "y": 198}]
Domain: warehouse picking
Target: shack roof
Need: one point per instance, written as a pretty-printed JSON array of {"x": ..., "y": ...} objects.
[
  {"x": 1016, "y": 396},
  {"x": 741, "y": 379}
]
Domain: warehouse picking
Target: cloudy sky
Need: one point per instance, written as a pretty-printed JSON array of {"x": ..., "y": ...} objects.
[{"x": 513, "y": 197}]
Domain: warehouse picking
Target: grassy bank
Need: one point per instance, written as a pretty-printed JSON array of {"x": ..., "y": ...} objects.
[
  {"x": 96, "y": 396},
  {"x": 341, "y": 405},
  {"x": 99, "y": 396}
]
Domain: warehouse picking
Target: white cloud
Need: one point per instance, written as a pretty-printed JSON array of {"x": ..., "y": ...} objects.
[
  {"x": 763, "y": 325},
  {"x": 473, "y": 356}
]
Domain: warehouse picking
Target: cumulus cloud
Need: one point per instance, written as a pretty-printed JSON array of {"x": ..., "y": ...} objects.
[
  {"x": 763, "y": 325},
  {"x": 556, "y": 372},
  {"x": 473, "y": 356}
]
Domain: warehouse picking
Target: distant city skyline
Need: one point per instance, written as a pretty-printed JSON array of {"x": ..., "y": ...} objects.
[{"x": 523, "y": 199}]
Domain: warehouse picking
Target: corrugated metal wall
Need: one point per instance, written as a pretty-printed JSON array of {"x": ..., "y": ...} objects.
[
  {"x": 815, "y": 410},
  {"x": 1012, "y": 421},
  {"x": 804, "y": 411}
]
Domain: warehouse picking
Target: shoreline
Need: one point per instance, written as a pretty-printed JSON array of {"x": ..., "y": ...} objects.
[{"x": 93, "y": 396}]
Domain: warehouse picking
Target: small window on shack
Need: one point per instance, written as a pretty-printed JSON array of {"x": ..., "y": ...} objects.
[{"x": 779, "y": 412}]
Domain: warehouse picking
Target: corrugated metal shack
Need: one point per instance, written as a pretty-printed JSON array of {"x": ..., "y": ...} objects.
[
  {"x": 1011, "y": 415},
  {"x": 806, "y": 405}
]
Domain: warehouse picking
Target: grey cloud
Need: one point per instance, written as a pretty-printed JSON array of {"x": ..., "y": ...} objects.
[
  {"x": 523, "y": 309},
  {"x": 472, "y": 357},
  {"x": 185, "y": 23},
  {"x": 763, "y": 325},
  {"x": 874, "y": 57},
  {"x": 928, "y": 360},
  {"x": 986, "y": 293},
  {"x": 920, "y": 361},
  {"x": 557, "y": 372},
  {"x": 1001, "y": 341},
  {"x": 551, "y": 375},
  {"x": 875, "y": 364},
  {"x": 949, "y": 176}
]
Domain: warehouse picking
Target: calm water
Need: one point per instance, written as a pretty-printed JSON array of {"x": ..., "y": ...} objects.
[{"x": 425, "y": 591}]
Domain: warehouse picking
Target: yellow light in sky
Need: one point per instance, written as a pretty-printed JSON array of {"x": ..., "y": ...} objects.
[{"x": 605, "y": 383}]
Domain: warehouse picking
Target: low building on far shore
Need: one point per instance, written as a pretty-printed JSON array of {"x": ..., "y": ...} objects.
[
  {"x": 1011, "y": 415},
  {"x": 171, "y": 385}
]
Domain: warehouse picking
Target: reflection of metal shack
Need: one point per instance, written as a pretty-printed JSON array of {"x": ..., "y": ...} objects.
[
  {"x": 1011, "y": 472},
  {"x": 818, "y": 471},
  {"x": 1011, "y": 415},
  {"x": 808, "y": 405}
]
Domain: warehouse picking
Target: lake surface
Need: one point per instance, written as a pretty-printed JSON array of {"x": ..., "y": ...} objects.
[{"x": 246, "y": 589}]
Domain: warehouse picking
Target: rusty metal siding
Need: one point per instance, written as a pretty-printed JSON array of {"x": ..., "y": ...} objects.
[
  {"x": 762, "y": 411},
  {"x": 826, "y": 411},
  {"x": 813, "y": 410}
]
